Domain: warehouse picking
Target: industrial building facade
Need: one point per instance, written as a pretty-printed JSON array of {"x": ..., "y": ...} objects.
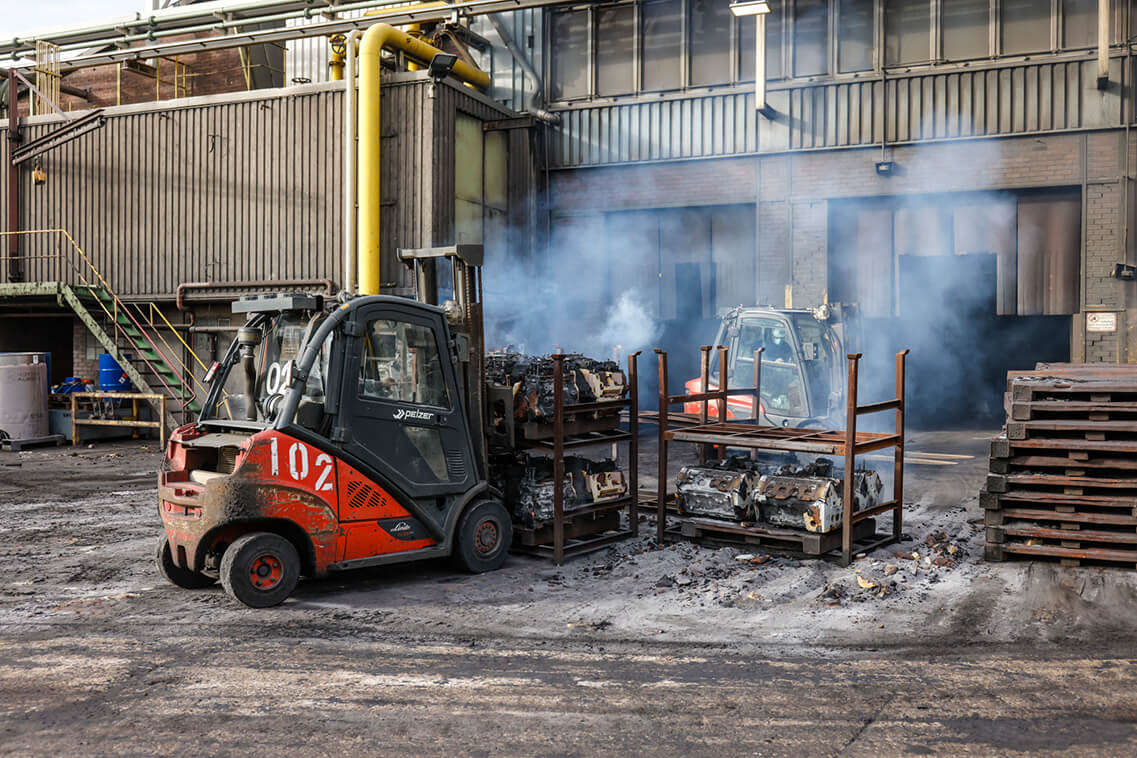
[{"x": 960, "y": 166}]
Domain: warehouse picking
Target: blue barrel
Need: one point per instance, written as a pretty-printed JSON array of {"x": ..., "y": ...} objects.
[{"x": 111, "y": 376}]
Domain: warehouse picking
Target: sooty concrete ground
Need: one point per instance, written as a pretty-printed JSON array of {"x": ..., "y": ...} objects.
[{"x": 680, "y": 650}]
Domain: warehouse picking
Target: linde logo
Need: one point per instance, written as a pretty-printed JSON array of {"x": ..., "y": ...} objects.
[
  {"x": 402, "y": 526},
  {"x": 412, "y": 415}
]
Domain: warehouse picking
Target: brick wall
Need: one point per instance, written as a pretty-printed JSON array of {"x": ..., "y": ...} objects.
[
  {"x": 207, "y": 73},
  {"x": 657, "y": 185},
  {"x": 82, "y": 366},
  {"x": 773, "y": 251},
  {"x": 810, "y": 259}
]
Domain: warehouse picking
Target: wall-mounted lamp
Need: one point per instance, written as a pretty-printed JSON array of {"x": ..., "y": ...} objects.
[
  {"x": 749, "y": 7},
  {"x": 1124, "y": 272},
  {"x": 885, "y": 168},
  {"x": 441, "y": 65},
  {"x": 758, "y": 9}
]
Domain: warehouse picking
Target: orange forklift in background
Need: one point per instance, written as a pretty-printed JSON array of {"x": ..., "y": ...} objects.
[{"x": 338, "y": 435}]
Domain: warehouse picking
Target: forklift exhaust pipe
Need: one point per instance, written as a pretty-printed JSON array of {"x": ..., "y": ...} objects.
[{"x": 247, "y": 341}]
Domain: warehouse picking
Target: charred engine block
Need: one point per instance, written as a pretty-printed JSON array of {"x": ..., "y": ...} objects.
[
  {"x": 801, "y": 497},
  {"x": 529, "y": 380},
  {"x": 527, "y": 487}
]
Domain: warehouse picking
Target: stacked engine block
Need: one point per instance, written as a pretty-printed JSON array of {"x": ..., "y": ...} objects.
[{"x": 801, "y": 497}]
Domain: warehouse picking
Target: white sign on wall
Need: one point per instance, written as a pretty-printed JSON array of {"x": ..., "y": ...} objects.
[{"x": 1101, "y": 322}]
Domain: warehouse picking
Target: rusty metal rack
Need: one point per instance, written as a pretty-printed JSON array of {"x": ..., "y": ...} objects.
[
  {"x": 847, "y": 443},
  {"x": 135, "y": 397},
  {"x": 590, "y": 527}
]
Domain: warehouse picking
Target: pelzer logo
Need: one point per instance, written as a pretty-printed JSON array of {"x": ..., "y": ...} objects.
[{"x": 409, "y": 414}]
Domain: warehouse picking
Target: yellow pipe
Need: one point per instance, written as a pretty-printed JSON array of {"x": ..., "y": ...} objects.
[
  {"x": 339, "y": 52},
  {"x": 415, "y": 30},
  {"x": 374, "y": 40}
]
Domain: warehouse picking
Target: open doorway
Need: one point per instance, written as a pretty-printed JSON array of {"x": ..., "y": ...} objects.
[{"x": 975, "y": 284}]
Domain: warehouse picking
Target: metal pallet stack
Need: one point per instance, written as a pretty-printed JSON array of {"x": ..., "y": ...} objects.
[{"x": 1063, "y": 477}]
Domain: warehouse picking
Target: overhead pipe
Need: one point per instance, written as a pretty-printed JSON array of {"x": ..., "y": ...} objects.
[
  {"x": 375, "y": 39},
  {"x": 180, "y": 293},
  {"x": 537, "y": 101}
]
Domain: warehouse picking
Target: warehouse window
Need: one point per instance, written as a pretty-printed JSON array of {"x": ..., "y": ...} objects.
[
  {"x": 965, "y": 29},
  {"x": 855, "y": 39},
  {"x": 1025, "y": 26},
  {"x": 775, "y": 21},
  {"x": 907, "y": 31},
  {"x": 811, "y": 37},
  {"x": 615, "y": 47},
  {"x": 1079, "y": 24},
  {"x": 710, "y": 23},
  {"x": 662, "y": 34},
  {"x": 746, "y": 46},
  {"x": 568, "y": 32}
]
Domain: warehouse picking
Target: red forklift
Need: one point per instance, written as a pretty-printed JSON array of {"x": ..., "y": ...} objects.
[{"x": 338, "y": 435}]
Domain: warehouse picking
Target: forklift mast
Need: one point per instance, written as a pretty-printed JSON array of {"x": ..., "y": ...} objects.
[{"x": 451, "y": 277}]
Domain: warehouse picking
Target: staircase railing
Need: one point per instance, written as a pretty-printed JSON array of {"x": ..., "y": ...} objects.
[{"x": 69, "y": 264}]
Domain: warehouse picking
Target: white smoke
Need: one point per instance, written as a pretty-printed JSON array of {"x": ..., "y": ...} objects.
[{"x": 628, "y": 325}]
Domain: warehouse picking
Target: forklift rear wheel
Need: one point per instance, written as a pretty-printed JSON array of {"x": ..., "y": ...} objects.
[
  {"x": 485, "y": 532},
  {"x": 175, "y": 574},
  {"x": 260, "y": 569}
]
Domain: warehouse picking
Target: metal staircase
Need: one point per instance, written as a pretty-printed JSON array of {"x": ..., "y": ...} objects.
[{"x": 139, "y": 330}]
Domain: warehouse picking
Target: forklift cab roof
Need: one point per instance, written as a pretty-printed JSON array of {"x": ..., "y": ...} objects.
[{"x": 278, "y": 302}]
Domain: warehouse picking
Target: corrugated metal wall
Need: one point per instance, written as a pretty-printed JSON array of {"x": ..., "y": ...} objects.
[
  {"x": 245, "y": 187},
  {"x": 229, "y": 189},
  {"x": 1019, "y": 98}
]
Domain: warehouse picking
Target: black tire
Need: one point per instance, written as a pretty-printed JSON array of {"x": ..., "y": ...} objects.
[
  {"x": 484, "y": 535},
  {"x": 175, "y": 574},
  {"x": 260, "y": 569}
]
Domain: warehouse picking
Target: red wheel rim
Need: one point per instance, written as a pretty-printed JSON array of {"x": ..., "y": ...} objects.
[
  {"x": 266, "y": 571},
  {"x": 486, "y": 537}
]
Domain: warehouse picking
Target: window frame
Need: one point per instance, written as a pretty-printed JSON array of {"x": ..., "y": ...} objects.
[{"x": 787, "y": 54}]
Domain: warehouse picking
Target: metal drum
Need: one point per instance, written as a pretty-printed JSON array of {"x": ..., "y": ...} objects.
[
  {"x": 111, "y": 376},
  {"x": 23, "y": 395}
]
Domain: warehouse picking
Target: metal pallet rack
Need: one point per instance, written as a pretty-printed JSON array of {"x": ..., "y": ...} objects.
[
  {"x": 593, "y": 526},
  {"x": 847, "y": 443}
]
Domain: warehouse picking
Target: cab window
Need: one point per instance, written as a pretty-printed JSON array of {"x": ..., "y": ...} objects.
[{"x": 401, "y": 363}]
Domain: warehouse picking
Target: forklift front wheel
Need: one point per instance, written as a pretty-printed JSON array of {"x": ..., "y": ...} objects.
[
  {"x": 175, "y": 574},
  {"x": 485, "y": 532},
  {"x": 260, "y": 569}
]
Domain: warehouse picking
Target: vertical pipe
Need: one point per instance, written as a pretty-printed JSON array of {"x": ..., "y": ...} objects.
[
  {"x": 724, "y": 388},
  {"x": 349, "y": 148},
  {"x": 755, "y": 412},
  {"x": 760, "y": 63},
  {"x": 558, "y": 459},
  {"x": 634, "y": 443},
  {"x": 704, "y": 387},
  {"x": 850, "y": 461},
  {"x": 661, "y": 481},
  {"x": 898, "y": 459},
  {"x": 14, "y": 273},
  {"x": 1103, "y": 43},
  {"x": 367, "y": 241}
]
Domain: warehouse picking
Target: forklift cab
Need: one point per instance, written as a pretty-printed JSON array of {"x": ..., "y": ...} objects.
[
  {"x": 802, "y": 368},
  {"x": 345, "y": 431}
]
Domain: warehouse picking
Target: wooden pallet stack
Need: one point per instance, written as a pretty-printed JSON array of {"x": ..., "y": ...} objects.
[{"x": 1063, "y": 477}]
